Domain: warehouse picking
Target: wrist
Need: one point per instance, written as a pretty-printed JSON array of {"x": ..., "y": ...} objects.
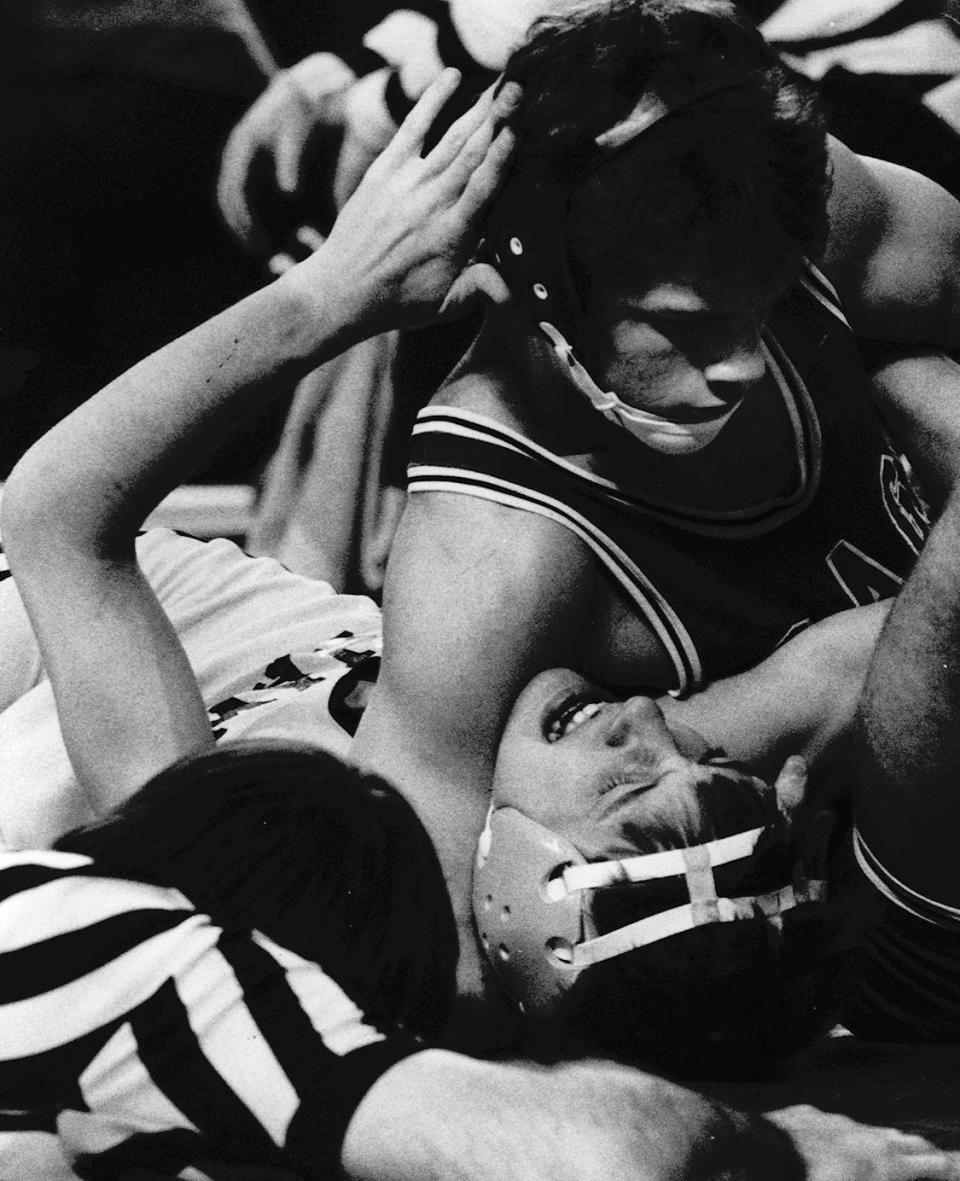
[
  {"x": 326, "y": 309},
  {"x": 754, "y": 1146}
]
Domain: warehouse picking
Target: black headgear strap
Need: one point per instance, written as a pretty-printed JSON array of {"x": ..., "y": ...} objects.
[{"x": 525, "y": 234}]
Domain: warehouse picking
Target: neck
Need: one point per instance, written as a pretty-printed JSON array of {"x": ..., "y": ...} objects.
[{"x": 526, "y": 388}]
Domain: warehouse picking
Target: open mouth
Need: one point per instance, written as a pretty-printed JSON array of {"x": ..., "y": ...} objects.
[{"x": 571, "y": 714}]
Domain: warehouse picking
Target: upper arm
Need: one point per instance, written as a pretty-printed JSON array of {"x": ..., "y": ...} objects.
[
  {"x": 917, "y": 393},
  {"x": 127, "y": 700},
  {"x": 894, "y": 250},
  {"x": 478, "y": 598}
]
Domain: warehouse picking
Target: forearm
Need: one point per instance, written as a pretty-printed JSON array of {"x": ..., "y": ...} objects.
[
  {"x": 440, "y": 1115},
  {"x": 127, "y": 701},
  {"x": 395, "y": 256},
  {"x": 123, "y": 450},
  {"x": 801, "y": 700},
  {"x": 908, "y": 737}
]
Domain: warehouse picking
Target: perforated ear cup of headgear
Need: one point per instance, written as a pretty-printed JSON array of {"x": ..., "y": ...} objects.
[
  {"x": 526, "y": 239},
  {"x": 533, "y": 892},
  {"x": 527, "y": 933}
]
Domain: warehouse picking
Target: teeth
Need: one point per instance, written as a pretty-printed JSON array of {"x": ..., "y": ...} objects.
[{"x": 564, "y": 724}]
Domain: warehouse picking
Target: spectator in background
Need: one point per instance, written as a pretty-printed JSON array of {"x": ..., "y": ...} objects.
[
  {"x": 886, "y": 75},
  {"x": 333, "y": 491},
  {"x": 112, "y": 118},
  {"x": 897, "y": 54}
]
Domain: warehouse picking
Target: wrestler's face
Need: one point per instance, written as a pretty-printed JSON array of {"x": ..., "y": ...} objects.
[
  {"x": 684, "y": 346},
  {"x": 574, "y": 758}
]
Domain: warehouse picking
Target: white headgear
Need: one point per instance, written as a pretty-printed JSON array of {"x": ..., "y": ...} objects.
[{"x": 532, "y": 903}]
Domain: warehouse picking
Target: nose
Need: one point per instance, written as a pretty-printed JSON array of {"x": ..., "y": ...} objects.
[
  {"x": 740, "y": 364},
  {"x": 639, "y": 722}
]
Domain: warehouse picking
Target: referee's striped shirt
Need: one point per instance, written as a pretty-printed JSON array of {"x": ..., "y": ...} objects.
[{"x": 153, "y": 1038}]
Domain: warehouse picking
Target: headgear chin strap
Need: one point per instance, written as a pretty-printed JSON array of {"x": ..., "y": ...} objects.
[
  {"x": 532, "y": 903},
  {"x": 526, "y": 235},
  {"x": 662, "y": 434}
]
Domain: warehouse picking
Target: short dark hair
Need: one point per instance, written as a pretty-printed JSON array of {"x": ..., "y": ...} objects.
[
  {"x": 325, "y": 860},
  {"x": 739, "y": 175},
  {"x": 736, "y": 998}
]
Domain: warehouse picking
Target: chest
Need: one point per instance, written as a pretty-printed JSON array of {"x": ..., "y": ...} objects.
[
  {"x": 760, "y": 458},
  {"x": 802, "y": 508},
  {"x": 620, "y": 647}
]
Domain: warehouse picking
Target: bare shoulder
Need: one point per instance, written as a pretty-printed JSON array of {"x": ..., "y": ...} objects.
[
  {"x": 492, "y": 561},
  {"x": 856, "y": 210},
  {"x": 893, "y": 248},
  {"x": 488, "y": 389},
  {"x": 479, "y": 597}
]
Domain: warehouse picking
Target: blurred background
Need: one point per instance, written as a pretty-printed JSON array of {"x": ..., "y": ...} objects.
[{"x": 114, "y": 116}]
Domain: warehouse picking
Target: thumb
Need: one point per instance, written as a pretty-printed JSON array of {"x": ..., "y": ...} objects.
[
  {"x": 791, "y": 783},
  {"x": 476, "y": 282}
]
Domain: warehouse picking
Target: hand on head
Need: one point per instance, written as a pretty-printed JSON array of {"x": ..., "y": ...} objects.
[
  {"x": 402, "y": 244},
  {"x": 280, "y": 125}
]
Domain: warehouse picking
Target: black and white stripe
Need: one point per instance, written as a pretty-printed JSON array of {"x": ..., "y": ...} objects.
[{"x": 157, "y": 1036}]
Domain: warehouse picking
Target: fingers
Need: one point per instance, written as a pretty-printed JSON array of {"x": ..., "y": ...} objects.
[
  {"x": 458, "y": 134},
  {"x": 310, "y": 237},
  {"x": 231, "y": 184},
  {"x": 506, "y": 102},
  {"x": 469, "y": 139},
  {"x": 307, "y": 236},
  {"x": 487, "y": 175},
  {"x": 488, "y": 280},
  {"x": 915, "y": 1157},
  {"x": 929, "y": 1165},
  {"x": 414, "y": 129},
  {"x": 289, "y": 154},
  {"x": 791, "y": 784},
  {"x": 837, "y": 1148},
  {"x": 281, "y": 262}
]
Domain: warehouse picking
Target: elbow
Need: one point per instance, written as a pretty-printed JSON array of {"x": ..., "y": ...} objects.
[
  {"x": 24, "y": 513},
  {"x": 45, "y": 518}
]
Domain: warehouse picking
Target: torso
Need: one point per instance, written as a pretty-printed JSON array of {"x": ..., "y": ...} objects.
[
  {"x": 277, "y": 658},
  {"x": 156, "y": 1039},
  {"x": 801, "y": 508}
]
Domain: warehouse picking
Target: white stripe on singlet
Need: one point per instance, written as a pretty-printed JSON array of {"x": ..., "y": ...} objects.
[
  {"x": 898, "y": 892},
  {"x": 663, "y": 620}
]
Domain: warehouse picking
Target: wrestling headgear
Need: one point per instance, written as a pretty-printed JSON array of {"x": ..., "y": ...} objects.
[
  {"x": 526, "y": 237},
  {"x": 532, "y": 903}
]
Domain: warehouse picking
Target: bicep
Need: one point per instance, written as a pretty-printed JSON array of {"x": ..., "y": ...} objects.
[
  {"x": 894, "y": 250},
  {"x": 478, "y": 599},
  {"x": 917, "y": 393}
]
